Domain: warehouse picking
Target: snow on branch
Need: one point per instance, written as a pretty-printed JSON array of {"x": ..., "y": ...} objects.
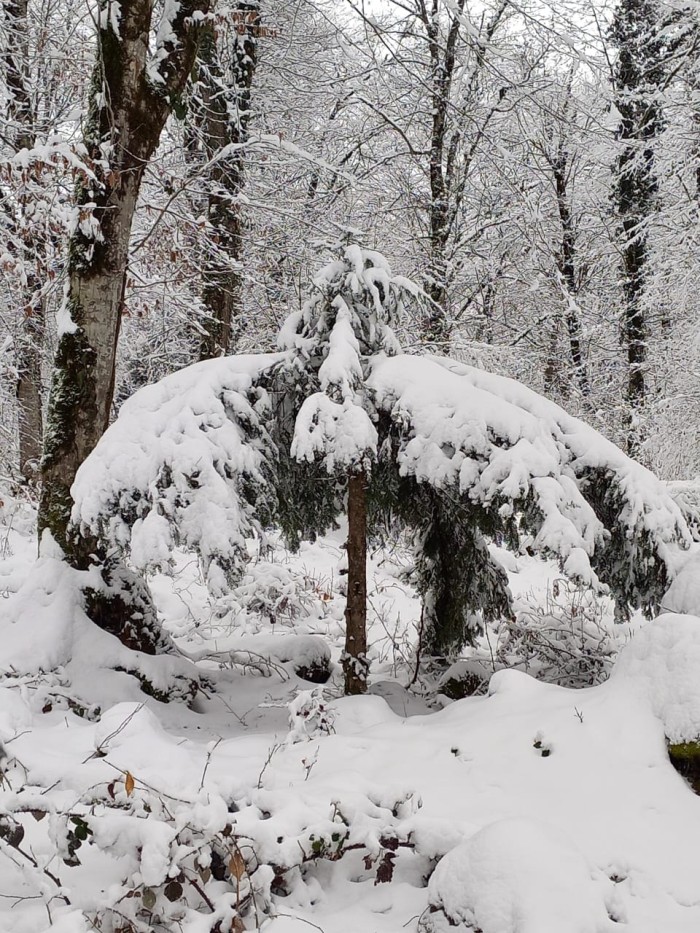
[
  {"x": 346, "y": 321},
  {"x": 183, "y": 465},
  {"x": 500, "y": 445}
]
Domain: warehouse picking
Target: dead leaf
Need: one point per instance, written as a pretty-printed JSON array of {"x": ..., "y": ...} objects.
[
  {"x": 385, "y": 870},
  {"x": 237, "y": 866},
  {"x": 129, "y": 783}
]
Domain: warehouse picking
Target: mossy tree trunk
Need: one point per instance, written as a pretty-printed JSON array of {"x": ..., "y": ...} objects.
[
  {"x": 128, "y": 108},
  {"x": 355, "y": 665},
  {"x": 225, "y": 110}
]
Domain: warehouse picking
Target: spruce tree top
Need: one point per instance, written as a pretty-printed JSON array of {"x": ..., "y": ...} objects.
[{"x": 344, "y": 325}]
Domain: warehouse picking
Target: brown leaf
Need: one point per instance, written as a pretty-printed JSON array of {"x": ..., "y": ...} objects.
[
  {"x": 385, "y": 871},
  {"x": 237, "y": 866},
  {"x": 129, "y": 783},
  {"x": 237, "y": 925},
  {"x": 173, "y": 891}
]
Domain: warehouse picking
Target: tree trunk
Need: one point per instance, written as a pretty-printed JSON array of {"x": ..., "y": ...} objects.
[
  {"x": 438, "y": 324},
  {"x": 127, "y": 112},
  {"x": 449, "y": 159},
  {"x": 355, "y": 664},
  {"x": 567, "y": 272},
  {"x": 224, "y": 121},
  {"x": 639, "y": 77},
  {"x": 29, "y": 400},
  {"x": 31, "y": 334}
]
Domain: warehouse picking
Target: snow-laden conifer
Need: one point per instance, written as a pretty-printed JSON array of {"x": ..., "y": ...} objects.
[
  {"x": 340, "y": 422},
  {"x": 326, "y": 418}
]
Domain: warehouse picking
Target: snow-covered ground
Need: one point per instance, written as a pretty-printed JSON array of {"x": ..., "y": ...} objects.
[{"x": 531, "y": 807}]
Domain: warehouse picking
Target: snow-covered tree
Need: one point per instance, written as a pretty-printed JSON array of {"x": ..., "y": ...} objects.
[
  {"x": 341, "y": 420},
  {"x": 220, "y": 105},
  {"x": 638, "y": 80},
  {"x": 141, "y": 67},
  {"x": 327, "y": 415}
]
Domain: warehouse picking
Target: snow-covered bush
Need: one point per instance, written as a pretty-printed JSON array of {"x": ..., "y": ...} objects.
[
  {"x": 687, "y": 494},
  {"x": 566, "y": 638},
  {"x": 309, "y": 716},
  {"x": 196, "y": 862},
  {"x": 272, "y": 594}
]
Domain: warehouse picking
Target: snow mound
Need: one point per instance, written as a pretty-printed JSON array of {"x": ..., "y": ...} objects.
[
  {"x": 44, "y": 628},
  {"x": 683, "y": 595},
  {"x": 516, "y": 876},
  {"x": 662, "y": 662}
]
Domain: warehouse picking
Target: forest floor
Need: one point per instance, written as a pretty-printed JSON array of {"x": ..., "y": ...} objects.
[{"x": 272, "y": 803}]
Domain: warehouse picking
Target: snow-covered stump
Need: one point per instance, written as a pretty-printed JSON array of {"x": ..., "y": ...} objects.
[{"x": 120, "y": 603}]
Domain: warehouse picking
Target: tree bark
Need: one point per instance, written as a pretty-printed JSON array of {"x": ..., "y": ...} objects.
[
  {"x": 355, "y": 665},
  {"x": 438, "y": 326},
  {"x": 567, "y": 271},
  {"x": 638, "y": 79},
  {"x": 224, "y": 122},
  {"x": 32, "y": 327},
  {"x": 29, "y": 396},
  {"x": 127, "y": 112}
]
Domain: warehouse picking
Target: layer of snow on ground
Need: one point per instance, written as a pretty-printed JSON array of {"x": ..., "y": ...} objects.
[{"x": 533, "y": 809}]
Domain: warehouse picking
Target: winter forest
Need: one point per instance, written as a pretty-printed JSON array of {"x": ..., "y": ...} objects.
[{"x": 349, "y": 466}]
